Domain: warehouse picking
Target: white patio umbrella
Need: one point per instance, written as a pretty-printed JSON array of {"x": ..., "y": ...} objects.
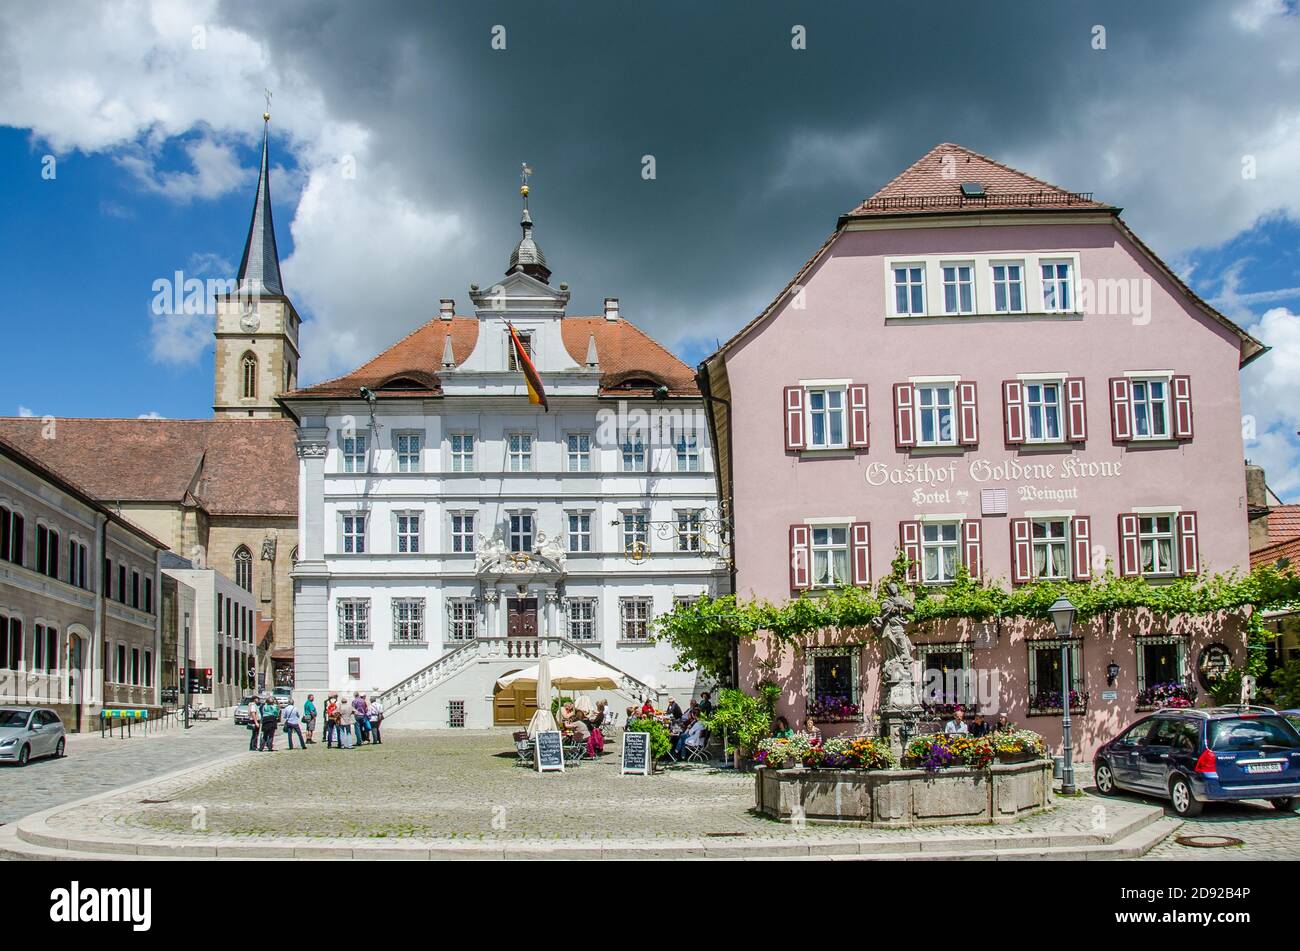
[
  {"x": 542, "y": 719},
  {"x": 570, "y": 672}
]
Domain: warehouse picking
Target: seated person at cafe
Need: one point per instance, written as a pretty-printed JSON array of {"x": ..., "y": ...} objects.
[
  {"x": 673, "y": 709},
  {"x": 693, "y": 736},
  {"x": 647, "y": 708},
  {"x": 633, "y": 713},
  {"x": 958, "y": 722},
  {"x": 572, "y": 722},
  {"x": 781, "y": 728},
  {"x": 979, "y": 726},
  {"x": 594, "y": 721},
  {"x": 1004, "y": 725},
  {"x": 814, "y": 733}
]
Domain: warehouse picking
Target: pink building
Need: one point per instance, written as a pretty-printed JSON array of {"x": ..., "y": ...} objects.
[{"x": 983, "y": 369}]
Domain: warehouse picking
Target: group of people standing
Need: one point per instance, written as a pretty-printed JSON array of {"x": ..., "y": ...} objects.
[{"x": 348, "y": 723}]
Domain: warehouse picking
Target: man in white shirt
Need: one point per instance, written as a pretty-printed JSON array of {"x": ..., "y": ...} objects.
[
  {"x": 376, "y": 710},
  {"x": 957, "y": 724}
]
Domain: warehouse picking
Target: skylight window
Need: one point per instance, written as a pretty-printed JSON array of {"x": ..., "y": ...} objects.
[{"x": 972, "y": 190}]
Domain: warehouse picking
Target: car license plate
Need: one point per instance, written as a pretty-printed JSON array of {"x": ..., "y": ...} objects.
[{"x": 1263, "y": 767}]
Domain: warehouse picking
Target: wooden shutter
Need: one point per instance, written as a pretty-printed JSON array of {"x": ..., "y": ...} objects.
[
  {"x": 909, "y": 537},
  {"x": 1189, "y": 549},
  {"x": 794, "y": 438},
  {"x": 1013, "y": 411},
  {"x": 860, "y": 553},
  {"x": 859, "y": 430},
  {"x": 904, "y": 415},
  {"x": 1022, "y": 550},
  {"x": 1081, "y": 534},
  {"x": 1121, "y": 409},
  {"x": 1076, "y": 410},
  {"x": 1130, "y": 561},
  {"x": 800, "y": 558},
  {"x": 1182, "y": 388},
  {"x": 972, "y": 546},
  {"x": 968, "y": 420}
]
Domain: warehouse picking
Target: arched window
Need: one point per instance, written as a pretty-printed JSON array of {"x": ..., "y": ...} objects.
[
  {"x": 244, "y": 568},
  {"x": 293, "y": 556},
  {"x": 250, "y": 376}
]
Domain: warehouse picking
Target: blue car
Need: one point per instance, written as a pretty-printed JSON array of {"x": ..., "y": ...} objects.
[{"x": 1191, "y": 757}]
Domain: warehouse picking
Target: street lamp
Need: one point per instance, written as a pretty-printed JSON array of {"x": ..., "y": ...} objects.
[{"x": 1062, "y": 611}]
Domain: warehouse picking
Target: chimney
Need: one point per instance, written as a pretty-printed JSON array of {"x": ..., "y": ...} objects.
[
  {"x": 1257, "y": 507},
  {"x": 446, "y": 309},
  {"x": 611, "y": 308}
]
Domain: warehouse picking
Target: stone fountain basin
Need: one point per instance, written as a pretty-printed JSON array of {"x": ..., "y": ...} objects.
[{"x": 901, "y": 798}]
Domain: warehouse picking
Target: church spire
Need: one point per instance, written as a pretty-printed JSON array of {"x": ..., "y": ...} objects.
[
  {"x": 527, "y": 255},
  {"x": 259, "y": 270}
]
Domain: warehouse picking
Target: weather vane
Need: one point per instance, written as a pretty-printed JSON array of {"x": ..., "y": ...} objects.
[
  {"x": 524, "y": 171},
  {"x": 267, "y": 114}
]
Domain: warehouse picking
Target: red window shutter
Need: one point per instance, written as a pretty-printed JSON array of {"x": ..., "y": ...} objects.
[
  {"x": 1121, "y": 409},
  {"x": 1022, "y": 551},
  {"x": 904, "y": 415},
  {"x": 968, "y": 415},
  {"x": 794, "y": 439},
  {"x": 1081, "y": 533},
  {"x": 1013, "y": 411},
  {"x": 1182, "y": 387},
  {"x": 800, "y": 558},
  {"x": 972, "y": 546},
  {"x": 860, "y": 553},
  {"x": 1189, "y": 549},
  {"x": 1076, "y": 410},
  {"x": 909, "y": 537},
  {"x": 859, "y": 430},
  {"x": 1130, "y": 561}
]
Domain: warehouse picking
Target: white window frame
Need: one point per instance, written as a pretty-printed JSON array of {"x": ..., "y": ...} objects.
[
  {"x": 1153, "y": 537},
  {"x": 939, "y": 546},
  {"x": 519, "y": 451},
  {"x": 1150, "y": 403},
  {"x": 822, "y": 540},
  {"x": 630, "y": 532},
  {"x": 686, "y": 449},
  {"x": 629, "y": 619},
  {"x": 827, "y": 413},
  {"x": 632, "y": 453},
  {"x": 408, "y": 620},
  {"x": 1069, "y": 282},
  {"x": 957, "y": 284},
  {"x": 408, "y": 461},
  {"x": 911, "y": 283},
  {"x": 577, "y": 452},
  {"x": 920, "y": 411},
  {"x": 1050, "y": 544},
  {"x": 574, "y": 536},
  {"x": 512, "y": 532},
  {"x": 354, "y": 450},
  {"x": 461, "y": 526},
  {"x": 348, "y": 532},
  {"x": 353, "y": 621},
  {"x": 460, "y": 460},
  {"x": 1006, "y": 284},
  {"x": 403, "y": 534},
  {"x": 690, "y": 530},
  {"x": 1038, "y": 409},
  {"x": 582, "y": 620},
  {"x": 462, "y": 620}
]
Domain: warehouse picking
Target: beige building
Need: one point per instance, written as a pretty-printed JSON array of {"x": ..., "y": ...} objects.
[
  {"x": 80, "y": 590},
  {"x": 222, "y": 492}
]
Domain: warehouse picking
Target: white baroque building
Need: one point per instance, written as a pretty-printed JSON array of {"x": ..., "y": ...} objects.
[{"x": 451, "y": 531}]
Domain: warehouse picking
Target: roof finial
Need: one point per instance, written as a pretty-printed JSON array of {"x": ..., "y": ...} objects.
[
  {"x": 527, "y": 256},
  {"x": 266, "y": 116}
]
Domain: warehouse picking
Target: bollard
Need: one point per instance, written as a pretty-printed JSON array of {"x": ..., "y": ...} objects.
[{"x": 1058, "y": 767}]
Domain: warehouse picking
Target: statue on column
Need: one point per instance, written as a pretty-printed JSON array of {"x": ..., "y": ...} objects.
[{"x": 898, "y": 677}]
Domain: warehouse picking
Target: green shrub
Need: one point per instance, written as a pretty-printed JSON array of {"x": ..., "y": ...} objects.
[{"x": 660, "y": 741}]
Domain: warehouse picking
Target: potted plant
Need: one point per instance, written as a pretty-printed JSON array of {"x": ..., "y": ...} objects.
[{"x": 1018, "y": 746}]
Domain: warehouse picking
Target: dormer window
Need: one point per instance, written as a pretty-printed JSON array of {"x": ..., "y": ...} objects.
[{"x": 512, "y": 358}]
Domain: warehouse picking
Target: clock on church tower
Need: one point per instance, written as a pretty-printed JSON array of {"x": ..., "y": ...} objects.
[{"x": 257, "y": 326}]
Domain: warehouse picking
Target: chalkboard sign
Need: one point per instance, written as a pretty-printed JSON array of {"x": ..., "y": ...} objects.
[
  {"x": 549, "y": 749},
  {"x": 636, "y": 753}
]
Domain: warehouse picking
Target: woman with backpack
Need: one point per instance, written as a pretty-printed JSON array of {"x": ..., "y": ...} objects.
[{"x": 270, "y": 717}]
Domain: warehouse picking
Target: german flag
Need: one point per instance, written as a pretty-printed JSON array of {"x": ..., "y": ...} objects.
[{"x": 532, "y": 379}]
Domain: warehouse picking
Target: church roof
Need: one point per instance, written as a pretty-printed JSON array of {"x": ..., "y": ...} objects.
[
  {"x": 951, "y": 179},
  {"x": 632, "y": 363},
  {"x": 225, "y": 466},
  {"x": 259, "y": 269}
]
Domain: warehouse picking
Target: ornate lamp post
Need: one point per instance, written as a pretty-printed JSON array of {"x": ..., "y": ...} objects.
[{"x": 1062, "y": 611}]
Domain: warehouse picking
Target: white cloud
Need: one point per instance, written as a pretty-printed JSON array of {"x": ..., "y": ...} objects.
[
  {"x": 179, "y": 339},
  {"x": 1271, "y": 394},
  {"x": 152, "y": 414},
  {"x": 216, "y": 172},
  {"x": 25, "y": 412}
]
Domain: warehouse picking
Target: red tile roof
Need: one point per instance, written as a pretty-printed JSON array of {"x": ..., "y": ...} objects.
[
  {"x": 1288, "y": 549},
  {"x": 1283, "y": 522},
  {"x": 627, "y": 356},
  {"x": 226, "y": 466},
  {"x": 932, "y": 184}
]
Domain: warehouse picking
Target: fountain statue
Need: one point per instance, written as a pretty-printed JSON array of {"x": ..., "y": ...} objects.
[{"x": 899, "y": 709}]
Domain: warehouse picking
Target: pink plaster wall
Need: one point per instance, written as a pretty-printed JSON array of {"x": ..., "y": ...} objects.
[{"x": 842, "y": 333}]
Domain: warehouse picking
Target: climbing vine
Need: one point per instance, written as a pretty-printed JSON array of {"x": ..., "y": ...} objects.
[{"x": 704, "y": 632}]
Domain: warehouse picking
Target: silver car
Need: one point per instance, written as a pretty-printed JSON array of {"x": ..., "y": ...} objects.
[{"x": 29, "y": 732}]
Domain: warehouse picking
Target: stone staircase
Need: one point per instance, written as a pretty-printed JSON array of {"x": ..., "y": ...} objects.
[{"x": 520, "y": 650}]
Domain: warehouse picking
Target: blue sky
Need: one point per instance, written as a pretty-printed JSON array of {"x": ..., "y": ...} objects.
[{"x": 152, "y": 113}]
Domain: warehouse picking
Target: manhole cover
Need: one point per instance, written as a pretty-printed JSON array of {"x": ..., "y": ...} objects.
[{"x": 1208, "y": 841}]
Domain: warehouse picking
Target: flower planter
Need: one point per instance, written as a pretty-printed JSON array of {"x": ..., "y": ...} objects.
[{"x": 1023, "y": 756}]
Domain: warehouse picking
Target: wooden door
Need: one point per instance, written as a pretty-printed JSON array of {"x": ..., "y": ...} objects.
[
  {"x": 521, "y": 617},
  {"x": 514, "y": 706}
]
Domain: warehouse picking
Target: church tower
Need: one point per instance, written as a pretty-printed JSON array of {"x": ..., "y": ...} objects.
[{"x": 257, "y": 326}]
